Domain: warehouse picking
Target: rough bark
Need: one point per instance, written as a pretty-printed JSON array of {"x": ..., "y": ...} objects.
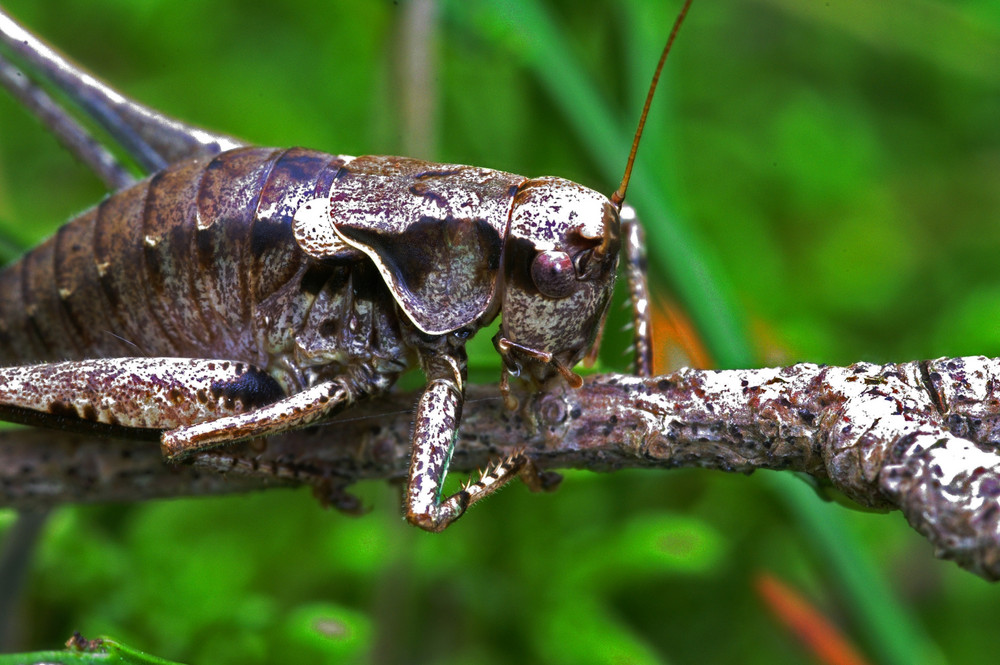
[{"x": 919, "y": 437}]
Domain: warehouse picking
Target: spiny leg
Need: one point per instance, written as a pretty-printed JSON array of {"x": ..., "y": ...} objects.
[
  {"x": 153, "y": 139},
  {"x": 296, "y": 411},
  {"x": 634, "y": 248},
  {"x": 201, "y": 403},
  {"x": 438, "y": 413},
  {"x": 500, "y": 472},
  {"x": 65, "y": 127}
]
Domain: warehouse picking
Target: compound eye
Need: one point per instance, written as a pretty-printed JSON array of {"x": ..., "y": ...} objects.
[{"x": 553, "y": 274}]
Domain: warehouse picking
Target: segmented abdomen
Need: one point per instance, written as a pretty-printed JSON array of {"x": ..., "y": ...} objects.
[{"x": 178, "y": 265}]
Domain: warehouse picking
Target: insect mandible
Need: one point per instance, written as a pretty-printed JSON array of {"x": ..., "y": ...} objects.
[{"x": 241, "y": 292}]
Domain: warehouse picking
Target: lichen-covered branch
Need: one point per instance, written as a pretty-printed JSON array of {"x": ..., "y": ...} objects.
[{"x": 920, "y": 437}]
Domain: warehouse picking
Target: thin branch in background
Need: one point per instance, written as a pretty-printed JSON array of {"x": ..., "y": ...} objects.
[
  {"x": 15, "y": 559},
  {"x": 416, "y": 71}
]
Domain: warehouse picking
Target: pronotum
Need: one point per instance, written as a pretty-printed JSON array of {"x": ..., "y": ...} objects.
[{"x": 239, "y": 291}]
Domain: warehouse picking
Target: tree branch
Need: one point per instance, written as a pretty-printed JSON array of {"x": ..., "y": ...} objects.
[{"x": 920, "y": 437}]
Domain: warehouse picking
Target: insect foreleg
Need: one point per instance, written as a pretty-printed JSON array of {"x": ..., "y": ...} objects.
[
  {"x": 438, "y": 413},
  {"x": 634, "y": 249}
]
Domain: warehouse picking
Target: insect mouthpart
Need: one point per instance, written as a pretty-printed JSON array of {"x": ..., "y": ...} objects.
[{"x": 560, "y": 260}]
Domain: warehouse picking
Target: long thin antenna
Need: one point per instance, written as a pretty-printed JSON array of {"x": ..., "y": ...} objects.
[{"x": 619, "y": 196}]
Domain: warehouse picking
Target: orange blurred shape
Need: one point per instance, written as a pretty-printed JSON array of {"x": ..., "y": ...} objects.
[
  {"x": 772, "y": 348},
  {"x": 815, "y": 630},
  {"x": 677, "y": 343}
]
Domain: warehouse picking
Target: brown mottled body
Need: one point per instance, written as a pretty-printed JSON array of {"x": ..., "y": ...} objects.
[
  {"x": 312, "y": 280},
  {"x": 219, "y": 260},
  {"x": 199, "y": 261}
]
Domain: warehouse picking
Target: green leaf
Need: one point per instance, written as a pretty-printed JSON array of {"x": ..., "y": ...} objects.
[{"x": 102, "y": 651}]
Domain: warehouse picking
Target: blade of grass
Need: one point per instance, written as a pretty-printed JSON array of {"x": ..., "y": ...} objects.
[
  {"x": 893, "y": 632},
  {"x": 942, "y": 33},
  {"x": 100, "y": 652},
  {"x": 693, "y": 269},
  {"x": 813, "y": 628}
]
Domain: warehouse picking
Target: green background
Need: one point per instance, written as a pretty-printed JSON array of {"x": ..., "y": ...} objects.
[{"x": 819, "y": 182}]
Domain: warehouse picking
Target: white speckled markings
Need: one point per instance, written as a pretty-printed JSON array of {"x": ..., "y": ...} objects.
[
  {"x": 154, "y": 393},
  {"x": 946, "y": 477},
  {"x": 300, "y": 409},
  {"x": 438, "y": 413},
  {"x": 918, "y": 436}
]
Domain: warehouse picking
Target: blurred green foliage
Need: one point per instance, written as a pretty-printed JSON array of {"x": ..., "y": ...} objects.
[{"x": 820, "y": 181}]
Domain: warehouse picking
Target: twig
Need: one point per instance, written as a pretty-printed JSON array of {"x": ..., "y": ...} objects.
[
  {"x": 15, "y": 560},
  {"x": 914, "y": 436}
]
